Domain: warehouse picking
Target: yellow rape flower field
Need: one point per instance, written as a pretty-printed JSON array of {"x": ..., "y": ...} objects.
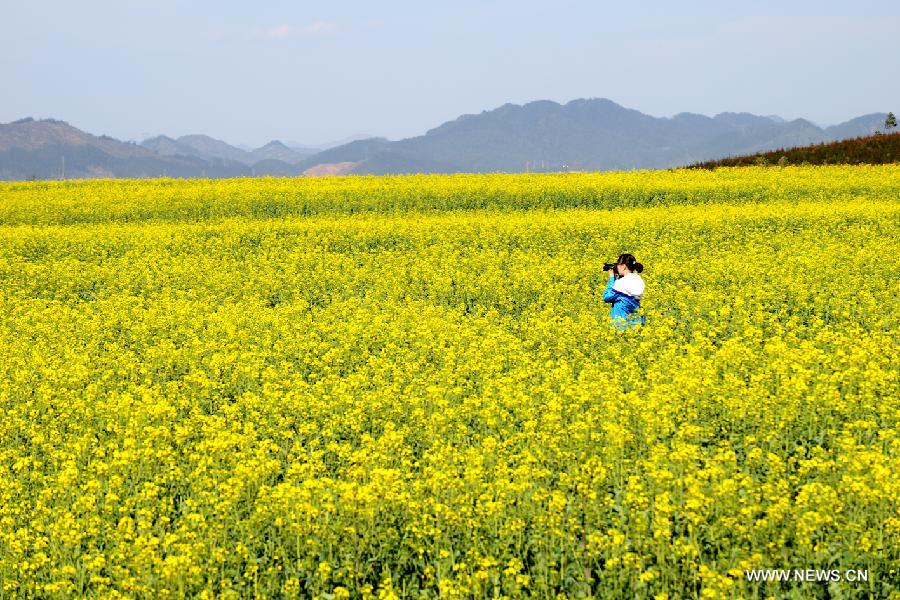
[{"x": 380, "y": 387}]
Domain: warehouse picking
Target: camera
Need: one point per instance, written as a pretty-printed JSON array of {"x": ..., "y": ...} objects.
[{"x": 608, "y": 266}]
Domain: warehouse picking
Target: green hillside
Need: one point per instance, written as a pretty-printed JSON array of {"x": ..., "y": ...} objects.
[{"x": 875, "y": 149}]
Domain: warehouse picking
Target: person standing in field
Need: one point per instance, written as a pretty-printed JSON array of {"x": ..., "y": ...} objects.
[{"x": 624, "y": 291}]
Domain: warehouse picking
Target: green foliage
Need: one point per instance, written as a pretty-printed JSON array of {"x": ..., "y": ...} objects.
[{"x": 876, "y": 149}]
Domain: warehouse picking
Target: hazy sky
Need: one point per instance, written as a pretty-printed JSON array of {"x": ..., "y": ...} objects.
[{"x": 313, "y": 72}]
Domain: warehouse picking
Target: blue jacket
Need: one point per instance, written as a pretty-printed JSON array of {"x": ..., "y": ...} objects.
[{"x": 623, "y": 305}]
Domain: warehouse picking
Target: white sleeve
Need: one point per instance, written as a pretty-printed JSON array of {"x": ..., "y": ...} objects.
[{"x": 630, "y": 285}]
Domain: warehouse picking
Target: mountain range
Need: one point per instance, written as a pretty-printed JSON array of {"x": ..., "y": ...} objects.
[{"x": 593, "y": 134}]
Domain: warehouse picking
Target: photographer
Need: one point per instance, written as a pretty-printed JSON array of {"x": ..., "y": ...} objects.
[{"x": 624, "y": 291}]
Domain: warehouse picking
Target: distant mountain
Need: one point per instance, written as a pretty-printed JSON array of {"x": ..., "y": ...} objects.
[
  {"x": 273, "y": 167},
  {"x": 30, "y": 135},
  {"x": 759, "y": 137},
  {"x": 354, "y": 152},
  {"x": 166, "y": 146},
  {"x": 860, "y": 126},
  {"x": 275, "y": 150},
  {"x": 208, "y": 147},
  {"x": 51, "y": 149},
  {"x": 312, "y": 148},
  {"x": 595, "y": 134}
]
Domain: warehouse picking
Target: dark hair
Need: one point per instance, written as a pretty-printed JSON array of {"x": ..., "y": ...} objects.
[{"x": 629, "y": 261}]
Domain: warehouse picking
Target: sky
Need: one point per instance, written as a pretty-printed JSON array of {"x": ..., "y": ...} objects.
[{"x": 312, "y": 72}]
